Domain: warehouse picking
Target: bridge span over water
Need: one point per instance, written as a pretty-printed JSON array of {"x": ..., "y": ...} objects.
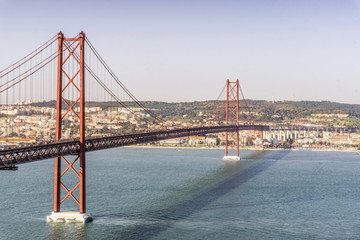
[
  {"x": 29, "y": 154},
  {"x": 57, "y": 71}
]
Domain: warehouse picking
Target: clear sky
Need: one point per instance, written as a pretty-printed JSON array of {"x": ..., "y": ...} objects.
[{"x": 185, "y": 50}]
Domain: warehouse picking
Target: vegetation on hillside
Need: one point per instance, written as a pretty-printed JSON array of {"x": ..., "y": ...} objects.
[{"x": 258, "y": 110}]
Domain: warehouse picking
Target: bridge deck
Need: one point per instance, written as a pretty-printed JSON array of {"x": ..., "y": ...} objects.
[{"x": 61, "y": 148}]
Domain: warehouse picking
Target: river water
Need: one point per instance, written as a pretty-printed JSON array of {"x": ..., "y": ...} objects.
[{"x": 146, "y": 193}]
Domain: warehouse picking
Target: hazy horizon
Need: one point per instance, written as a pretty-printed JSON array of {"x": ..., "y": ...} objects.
[{"x": 183, "y": 51}]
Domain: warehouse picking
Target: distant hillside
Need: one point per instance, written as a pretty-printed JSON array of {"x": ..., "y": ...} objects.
[
  {"x": 288, "y": 109},
  {"x": 264, "y": 111}
]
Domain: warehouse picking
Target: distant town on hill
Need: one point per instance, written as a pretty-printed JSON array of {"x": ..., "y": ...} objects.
[
  {"x": 25, "y": 124},
  {"x": 278, "y": 112}
]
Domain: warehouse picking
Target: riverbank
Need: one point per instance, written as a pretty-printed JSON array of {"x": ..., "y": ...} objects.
[{"x": 256, "y": 148}]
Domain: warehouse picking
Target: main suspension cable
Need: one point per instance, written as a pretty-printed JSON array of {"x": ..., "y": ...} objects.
[
  {"x": 51, "y": 57},
  {"x": 120, "y": 83},
  {"x": 42, "y": 47},
  {"x": 103, "y": 85}
]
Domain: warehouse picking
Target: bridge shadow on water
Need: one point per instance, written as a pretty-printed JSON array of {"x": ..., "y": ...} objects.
[
  {"x": 150, "y": 223},
  {"x": 161, "y": 220}
]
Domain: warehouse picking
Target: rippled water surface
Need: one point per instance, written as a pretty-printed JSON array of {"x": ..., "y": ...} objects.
[{"x": 140, "y": 193}]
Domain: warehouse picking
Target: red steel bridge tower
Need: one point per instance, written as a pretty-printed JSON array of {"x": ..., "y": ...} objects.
[
  {"x": 232, "y": 118},
  {"x": 70, "y": 78}
]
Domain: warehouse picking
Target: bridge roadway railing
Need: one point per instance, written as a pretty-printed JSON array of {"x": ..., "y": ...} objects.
[
  {"x": 307, "y": 128},
  {"x": 28, "y": 154}
]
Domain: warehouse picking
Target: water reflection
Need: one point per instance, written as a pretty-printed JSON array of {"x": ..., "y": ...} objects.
[
  {"x": 232, "y": 163},
  {"x": 67, "y": 231}
]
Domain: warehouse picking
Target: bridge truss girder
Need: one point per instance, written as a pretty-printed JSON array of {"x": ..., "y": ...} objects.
[{"x": 29, "y": 154}]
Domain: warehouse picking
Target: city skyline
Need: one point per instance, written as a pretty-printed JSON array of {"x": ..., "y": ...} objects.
[{"x": 299, "y": 50}]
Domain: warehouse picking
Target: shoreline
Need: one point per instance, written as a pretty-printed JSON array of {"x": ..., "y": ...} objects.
[{"x": 249, "y": 148}]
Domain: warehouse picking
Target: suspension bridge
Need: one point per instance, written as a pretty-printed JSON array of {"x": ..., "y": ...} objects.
[{"x": 50, "y": 97}]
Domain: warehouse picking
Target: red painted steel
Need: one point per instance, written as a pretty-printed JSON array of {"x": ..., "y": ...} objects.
[
  {"x": 27, "y": 154},
  {"x": 232, "y": 117},
  {"x": 58, "y": 124},
  {"x": 227, "y": 116},
  {"x": 82, "y": 126},
  {"x": 75, "y": 49}
]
